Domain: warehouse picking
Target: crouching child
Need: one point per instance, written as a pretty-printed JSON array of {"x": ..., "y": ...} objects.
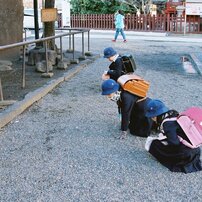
[
  {"x": 167, "y": 147},
  {"x": 131, "y": 108}
]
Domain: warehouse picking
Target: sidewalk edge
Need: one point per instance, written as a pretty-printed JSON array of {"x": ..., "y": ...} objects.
[{"x": 197, "y": 62}]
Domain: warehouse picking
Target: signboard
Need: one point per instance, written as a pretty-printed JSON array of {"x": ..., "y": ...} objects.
[
  {"x": 194, "y": 7},
  {"x": 49, "y": 14},
  {"x": 193, "y": 1}
]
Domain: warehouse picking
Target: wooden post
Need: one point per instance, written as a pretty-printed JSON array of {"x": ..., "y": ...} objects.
[{"x": 1, "y": 92}]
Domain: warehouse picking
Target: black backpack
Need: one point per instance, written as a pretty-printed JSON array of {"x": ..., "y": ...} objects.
[{"x": 129, "y": 63}]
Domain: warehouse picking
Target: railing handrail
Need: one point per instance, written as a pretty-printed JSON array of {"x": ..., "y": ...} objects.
[
  {"x": 71, "y": 34},
  {"x": 14, "y": 45}
]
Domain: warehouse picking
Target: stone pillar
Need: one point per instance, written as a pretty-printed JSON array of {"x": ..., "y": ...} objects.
[
  {"x": 11, "y": 23},
  {"x": 180, "y": 10}
]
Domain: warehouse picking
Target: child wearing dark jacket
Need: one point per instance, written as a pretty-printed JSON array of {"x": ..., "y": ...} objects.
[
  {"x": 167, "y": 148},
  {"x": 131, "y": 108},
  {"x": 116, "y": 68}
]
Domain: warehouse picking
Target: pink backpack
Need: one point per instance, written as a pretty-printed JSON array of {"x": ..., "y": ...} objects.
[{"x": 191, "y": 123}]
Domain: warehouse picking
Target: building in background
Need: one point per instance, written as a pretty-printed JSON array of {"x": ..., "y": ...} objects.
[
  {"x": 29, "y": 3},
  {"x": 63, "y": 7}
]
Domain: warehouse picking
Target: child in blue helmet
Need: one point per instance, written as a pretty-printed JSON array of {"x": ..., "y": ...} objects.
[
  {"x": 131, "y": 107},
  {"x": 116, "y": 68},
  {"x": 167, "y": 148}
]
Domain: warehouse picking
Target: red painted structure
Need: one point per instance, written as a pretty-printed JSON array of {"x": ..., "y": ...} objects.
[
  {"x": 171, "y": 7},
  {"x": 158, "y": 23}
]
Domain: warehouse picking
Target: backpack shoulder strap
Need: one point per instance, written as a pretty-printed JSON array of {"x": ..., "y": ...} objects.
[{"x": 165, "y": 120}]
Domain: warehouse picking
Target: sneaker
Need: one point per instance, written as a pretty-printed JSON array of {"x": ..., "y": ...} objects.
[
  {"x": 124, "y": 41},
  {"x": 113, "y": 40}
]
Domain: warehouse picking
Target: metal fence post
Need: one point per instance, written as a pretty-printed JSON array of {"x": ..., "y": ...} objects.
[
  {"x": 61, "y": 54},
  {"x": 88, "y": 40},
  {"x": 23, "y": 67},
  {"x": 73, "y": 46},
  {"x": 70, "y": 40},
  {"x": 83, "y": 44},
  {"x": 1, "y": 92},
  {"x": 46, "y": 55}
]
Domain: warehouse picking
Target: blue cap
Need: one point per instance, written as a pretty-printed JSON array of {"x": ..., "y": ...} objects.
[
  {"x": 155, "y": 108},
  {"x": 109, "y": 86},
  {"x": 109, "y": 52}
]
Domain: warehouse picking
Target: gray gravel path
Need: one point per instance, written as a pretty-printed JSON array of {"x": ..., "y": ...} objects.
[{"x": 63, "y": 148}]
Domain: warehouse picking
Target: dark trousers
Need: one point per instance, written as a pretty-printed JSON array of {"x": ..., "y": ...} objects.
[
  {"x": 140, "y": 125},
  {"x": 177, "y": 158}
]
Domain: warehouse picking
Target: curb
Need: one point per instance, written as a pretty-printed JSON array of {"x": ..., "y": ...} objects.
[
  {"x": 150, "y": 36},
  {"x": 129, "y": 32},
  {"x": 18, "y": 107},
  {"x": 197, "y": 62}
]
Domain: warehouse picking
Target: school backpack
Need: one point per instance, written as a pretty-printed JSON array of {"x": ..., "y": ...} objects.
[
  {"x": 134, "y": 84},
  {"x": 129, "y": 63},
  {"x": 190, "y": 121}
]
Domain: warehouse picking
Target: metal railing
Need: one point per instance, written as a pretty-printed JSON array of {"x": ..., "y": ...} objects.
[{"x": 71, "y": 34}]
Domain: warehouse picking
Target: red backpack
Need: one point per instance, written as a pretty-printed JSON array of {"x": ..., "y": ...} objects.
[{"x": 191, "y": 123}]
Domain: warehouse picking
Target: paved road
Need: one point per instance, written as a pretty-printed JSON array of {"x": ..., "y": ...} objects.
[{"x": 63, "y": 148}]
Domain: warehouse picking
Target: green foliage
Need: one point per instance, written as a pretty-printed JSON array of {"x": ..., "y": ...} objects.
[
  {"x": 94, "y": 6},
  {"x": 109, "y": 6}
]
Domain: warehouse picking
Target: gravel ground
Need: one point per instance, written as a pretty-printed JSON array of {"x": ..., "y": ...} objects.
[{"x": 63, "y": 148}]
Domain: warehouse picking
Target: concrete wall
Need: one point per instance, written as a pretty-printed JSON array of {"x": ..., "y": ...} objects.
[{"x": 11, "y": 23}]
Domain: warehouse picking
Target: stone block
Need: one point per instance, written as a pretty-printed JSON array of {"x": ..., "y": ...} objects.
[
  {"x": 62, "y": 65},
  {"x": 37, "y": 55},
  {"x": 41, "y": 67},
  {"x": 88, "y": 53},
  {"x": 75, "y": 61},
  {"x": 47, "y": 75}
]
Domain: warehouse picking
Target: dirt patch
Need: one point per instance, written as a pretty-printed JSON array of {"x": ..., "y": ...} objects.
[{"x": 12, "y": 80}]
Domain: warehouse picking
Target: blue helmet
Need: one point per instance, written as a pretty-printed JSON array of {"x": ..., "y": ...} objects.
[
  {"x": 108, "y": 52},
  {"x": 109, "y": 86},
  {"x": 155, "y": 108}
]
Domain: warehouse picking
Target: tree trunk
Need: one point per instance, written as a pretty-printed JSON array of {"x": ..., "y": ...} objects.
[
  {"x": 11, "y": 25},
  {"x": 49, "y": 27}
]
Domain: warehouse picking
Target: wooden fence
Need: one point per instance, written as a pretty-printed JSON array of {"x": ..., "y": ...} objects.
[{"x": 159, "y": 23}]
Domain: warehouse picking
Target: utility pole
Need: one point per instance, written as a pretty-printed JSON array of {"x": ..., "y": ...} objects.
[{"x": 36, "y": 19}]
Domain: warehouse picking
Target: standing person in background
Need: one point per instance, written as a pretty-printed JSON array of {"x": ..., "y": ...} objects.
[{"x": 119, "y": 24}]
